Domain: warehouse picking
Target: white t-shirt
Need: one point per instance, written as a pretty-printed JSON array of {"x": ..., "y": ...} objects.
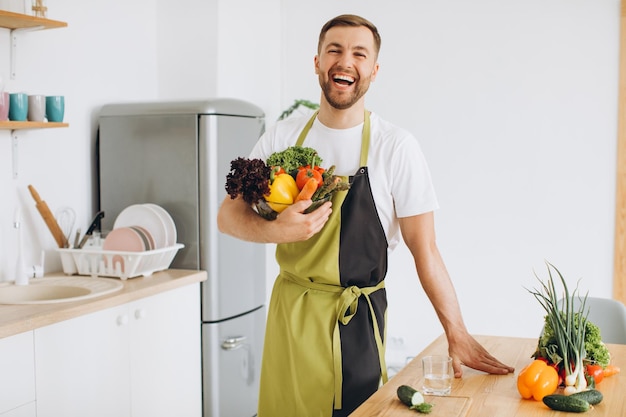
[{"x": 398, "y": 173}]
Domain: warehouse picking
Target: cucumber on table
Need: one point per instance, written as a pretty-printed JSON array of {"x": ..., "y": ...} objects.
[
  {"x": 567, "y": 403},
  {"x": 409, "y": 396},
  {"x": 592, "y": 396},
  {"x": 414, "y": 399}
]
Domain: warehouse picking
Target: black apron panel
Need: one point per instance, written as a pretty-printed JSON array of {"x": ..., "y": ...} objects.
[
  {"x": 361, "y": 368},
  {"x": 363, "y": 263},
  {"x": 362, "y": 244}
]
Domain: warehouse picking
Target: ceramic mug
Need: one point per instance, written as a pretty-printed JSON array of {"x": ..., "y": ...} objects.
[
  {"x": 18, "y": 107},
  {"x": 55, "y": 108},
  {"x": 4, "y": 106},
  {"x": 36, "y": 108}
]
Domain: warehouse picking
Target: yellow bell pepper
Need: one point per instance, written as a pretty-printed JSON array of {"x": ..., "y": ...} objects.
[
  {"x": 537, "y": 380},
  {"x": 283, "y": 191}
]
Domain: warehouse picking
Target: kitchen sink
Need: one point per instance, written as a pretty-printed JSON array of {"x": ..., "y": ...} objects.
[{"x": 49, "y": 290}]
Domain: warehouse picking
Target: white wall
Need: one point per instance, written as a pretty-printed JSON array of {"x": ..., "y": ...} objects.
[
  {"x": 187, "y": 48},
  {"x": 107, "y": 53},
  {"x": 249, "y": 53},
  {"x": 513, "y": 102}
]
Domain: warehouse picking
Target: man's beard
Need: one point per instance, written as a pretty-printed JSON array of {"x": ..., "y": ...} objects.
[{"x": 345, "y": 100}]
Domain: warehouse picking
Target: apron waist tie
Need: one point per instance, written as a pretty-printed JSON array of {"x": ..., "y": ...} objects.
[{"x": 346, "y": 309}]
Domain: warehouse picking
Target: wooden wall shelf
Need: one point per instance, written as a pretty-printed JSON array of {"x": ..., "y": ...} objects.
[
  {"x": 11, "y": 125},
  {"x": 18, "y": 23},
  {"x": 13, "y": 21}
]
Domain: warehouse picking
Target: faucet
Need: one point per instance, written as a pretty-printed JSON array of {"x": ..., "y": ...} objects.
[
  {"x": 21, "y": 278},
  {"x": 23, "y": 274}
]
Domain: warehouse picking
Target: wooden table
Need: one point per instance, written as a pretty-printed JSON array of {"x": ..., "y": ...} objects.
[{"x": 477, "y": 394}]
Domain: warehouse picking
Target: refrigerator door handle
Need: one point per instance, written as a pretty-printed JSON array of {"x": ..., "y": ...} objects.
[{"x": 233, "y": 343}]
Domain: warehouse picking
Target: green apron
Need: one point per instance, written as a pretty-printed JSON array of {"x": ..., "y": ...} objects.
[{"x": 324, "y": 348}]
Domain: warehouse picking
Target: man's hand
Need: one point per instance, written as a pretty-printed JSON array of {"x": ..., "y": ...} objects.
[
  {"x": 467, "y": 351},
  {"x": 236, "y": 218},
  {"x": 294, "y": 226}
]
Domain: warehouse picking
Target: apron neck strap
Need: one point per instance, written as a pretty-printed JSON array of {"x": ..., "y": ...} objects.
[
  {"x": 365, "y": 138},
  {"x": 306, "y": 129}
]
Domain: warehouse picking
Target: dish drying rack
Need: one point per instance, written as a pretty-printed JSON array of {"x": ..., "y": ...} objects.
[{"x": 97, "y": 262}]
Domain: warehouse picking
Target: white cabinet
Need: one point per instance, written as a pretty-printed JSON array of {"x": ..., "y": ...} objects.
[
  {"x": 140, "y": 359},
  {"x": 17, "y": 376},
  {"x": 82, "y": 366},
  {"x": 165, "y": 354}
]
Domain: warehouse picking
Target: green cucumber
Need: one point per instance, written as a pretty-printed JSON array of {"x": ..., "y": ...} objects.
[
  {"x": 592, "y": 396},
  {"x": 409, "y": 396},
  {"x": 566, "y": 403}
]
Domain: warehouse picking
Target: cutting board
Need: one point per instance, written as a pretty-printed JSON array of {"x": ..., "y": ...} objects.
[{"x": 392, "y": 407}]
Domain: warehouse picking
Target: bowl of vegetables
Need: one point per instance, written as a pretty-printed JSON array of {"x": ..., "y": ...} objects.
[{"x": 287, "y": 177}]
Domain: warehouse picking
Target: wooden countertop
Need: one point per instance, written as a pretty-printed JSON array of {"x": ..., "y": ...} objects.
[
  {"x": 480, "y": 395},
  {"x": 16, "y": 319}
]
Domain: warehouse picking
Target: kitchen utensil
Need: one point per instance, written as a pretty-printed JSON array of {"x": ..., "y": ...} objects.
[
  {"x": 66, "y": 217},
  {"x": 48, "y": 218},
  {"x": 92, "y": 226},
  {"x": 77, "y": 238}
]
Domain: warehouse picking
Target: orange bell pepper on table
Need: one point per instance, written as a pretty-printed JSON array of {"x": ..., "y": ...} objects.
[{"x": 537, "y": 380}]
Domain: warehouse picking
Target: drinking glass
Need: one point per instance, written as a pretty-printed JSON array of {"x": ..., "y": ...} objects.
[{"x": 438, "y": 375}]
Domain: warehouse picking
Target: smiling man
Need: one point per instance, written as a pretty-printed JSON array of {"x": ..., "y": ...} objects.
[
  {"x": 324, "y": 348},
  {"x": 346, "y": 64}
]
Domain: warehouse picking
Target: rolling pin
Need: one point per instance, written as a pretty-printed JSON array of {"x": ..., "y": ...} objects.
[{"x": 48, "y": 217}]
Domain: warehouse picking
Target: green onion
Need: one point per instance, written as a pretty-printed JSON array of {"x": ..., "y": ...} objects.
[{"x": 568, "y": 326}]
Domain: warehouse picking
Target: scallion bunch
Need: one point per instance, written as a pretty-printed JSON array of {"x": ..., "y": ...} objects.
[{"x": 569, "y": 328}]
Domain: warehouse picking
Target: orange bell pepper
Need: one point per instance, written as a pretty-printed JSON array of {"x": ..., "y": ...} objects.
[{"x": 537, "y": 380}]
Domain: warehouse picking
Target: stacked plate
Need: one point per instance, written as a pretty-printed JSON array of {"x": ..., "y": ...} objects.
[{"x": 141, "y": 227}]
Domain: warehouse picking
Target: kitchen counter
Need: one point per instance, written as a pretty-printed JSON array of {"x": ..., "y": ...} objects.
[
  {"x": 15, "y": 319},
  {"x": 481, "y": 395}
]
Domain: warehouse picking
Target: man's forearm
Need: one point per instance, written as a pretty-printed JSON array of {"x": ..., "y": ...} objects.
[{"x": 237, "y": 219}]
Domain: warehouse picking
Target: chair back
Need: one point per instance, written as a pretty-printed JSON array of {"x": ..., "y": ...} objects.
[{"x": 608, "y": 314}]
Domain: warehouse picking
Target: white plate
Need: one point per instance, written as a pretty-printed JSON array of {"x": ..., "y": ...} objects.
[
  {"x": 170, "y": 226},
  {"x": 149, "y": 219}
]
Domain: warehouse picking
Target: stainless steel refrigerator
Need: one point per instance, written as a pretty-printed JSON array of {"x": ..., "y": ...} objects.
[{"x": 177, "y": 155}]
